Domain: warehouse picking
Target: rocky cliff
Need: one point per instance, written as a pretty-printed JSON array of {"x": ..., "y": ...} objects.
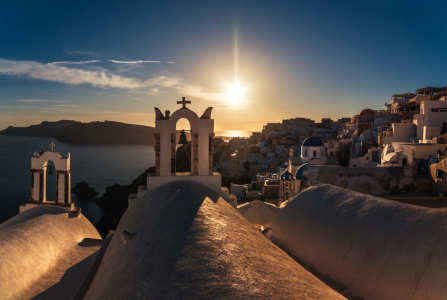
[
  {"x": 44, "y": 129},
  {"x": 107, "y": 132},
  {"x": 68, "y": 131}
]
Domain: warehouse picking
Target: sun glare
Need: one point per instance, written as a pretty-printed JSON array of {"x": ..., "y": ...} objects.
[{"x": 235, "y": 93}]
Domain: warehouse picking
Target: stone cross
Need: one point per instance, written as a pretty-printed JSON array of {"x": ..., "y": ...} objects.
[
  {"x": 184, "y": 102},
  {"x": 52, "y": 145}
]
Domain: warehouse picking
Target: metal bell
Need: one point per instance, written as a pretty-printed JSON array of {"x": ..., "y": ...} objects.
[{"x": 183, "y": 140}]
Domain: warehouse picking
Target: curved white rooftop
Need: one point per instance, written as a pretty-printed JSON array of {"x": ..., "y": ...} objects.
[
  {"x": 377, "y": 248},
  {"x": 183, "y": 241},
  {"x": 42, "y": 254}
]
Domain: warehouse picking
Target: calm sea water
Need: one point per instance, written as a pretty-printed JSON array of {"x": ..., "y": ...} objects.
[{"x": 98, "y": 165}]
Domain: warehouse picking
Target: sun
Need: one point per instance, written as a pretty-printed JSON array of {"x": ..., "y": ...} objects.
[{"x": 235, "y": 93}]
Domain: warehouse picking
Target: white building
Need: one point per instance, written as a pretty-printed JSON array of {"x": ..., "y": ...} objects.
[
  {"x": 432, "y": 114},
  {"x": 400, "y": 133},
  {"x": 313, "y": 148}
]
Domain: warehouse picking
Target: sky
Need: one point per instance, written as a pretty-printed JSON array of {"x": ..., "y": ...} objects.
[{"x": 254, "y": 62}]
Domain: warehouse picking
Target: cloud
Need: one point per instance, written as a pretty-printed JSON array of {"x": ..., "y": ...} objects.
[
  {"x": 104, "y": 79},
  {"x": 75, "y": 62},
  {"x": 133, "y": 61},
  {"x": 99, "y": 78},
  {"x": 198, "y": 92},
  {"x": 171, "y": 62},
  {"x": 33, "y": 100},
  {"x": 82, "y": 52}
]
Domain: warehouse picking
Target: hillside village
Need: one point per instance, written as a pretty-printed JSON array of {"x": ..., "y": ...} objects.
[
  {"x": 411, "y": 131},
  {"x": 333, "y": 216}
]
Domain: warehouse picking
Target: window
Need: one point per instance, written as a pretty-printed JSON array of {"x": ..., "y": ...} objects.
[
  {"x": 374, "y": 156},
  {"x": 363, "y": 118},
  {"x": 315, "y": 153}
]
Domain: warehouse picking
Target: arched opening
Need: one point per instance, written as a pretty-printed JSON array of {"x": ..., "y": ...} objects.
[
  {"x": 50, "y": 181},
  {"x": 183, "y": 146}
]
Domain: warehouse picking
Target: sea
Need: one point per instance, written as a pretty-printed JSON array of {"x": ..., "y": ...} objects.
[{"x": 98, "y": 165}]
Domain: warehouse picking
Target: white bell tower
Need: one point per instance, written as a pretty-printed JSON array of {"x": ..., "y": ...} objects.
[
  {"x": 202, "y": 133},
  {"x": 39, "y": 167}
]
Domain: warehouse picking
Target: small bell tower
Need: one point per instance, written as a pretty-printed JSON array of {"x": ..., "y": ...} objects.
[{"x": 39, "y": 171}]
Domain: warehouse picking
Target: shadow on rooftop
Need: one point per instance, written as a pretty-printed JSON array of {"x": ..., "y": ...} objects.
[{"x": 68, "y": 285}]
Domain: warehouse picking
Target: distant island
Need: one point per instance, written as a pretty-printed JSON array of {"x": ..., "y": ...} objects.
[
  {"x": 44, "y": 129},
  {"x": 69, "y": 131}
]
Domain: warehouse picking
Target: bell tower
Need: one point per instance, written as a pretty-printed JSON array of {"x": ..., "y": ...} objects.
[
  {"x": 39, "y": 170},
  {"x": 202, "y": 134}
]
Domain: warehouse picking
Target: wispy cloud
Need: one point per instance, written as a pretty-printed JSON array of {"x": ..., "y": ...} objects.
[
  {"x": 171, "y": 62},
  {"x": 133, "y": 61},
  {"x": 104, "y": 79},
  {"x": 99, "y": 78},
  {"x": 77, "y": 52},
  {"x": 75, "y": 62},
  {"x": 198, "y": 92},
  {"x": 34, "y": 100}
]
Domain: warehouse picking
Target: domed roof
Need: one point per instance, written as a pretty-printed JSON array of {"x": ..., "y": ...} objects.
[
  {"x": 31, "y": 251},
  {"x": 182, "y": 257},
  {"x": 313, "y": 141},
  {"x": 286, "y": 176},
  {"x": 300, "y": 170}
]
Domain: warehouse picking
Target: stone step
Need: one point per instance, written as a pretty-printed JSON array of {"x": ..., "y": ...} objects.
[
  {"x": 142, "y": 190},
  {"x": 132, "y": 198}
]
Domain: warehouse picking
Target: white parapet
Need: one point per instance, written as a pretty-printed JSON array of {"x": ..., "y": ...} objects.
[
  {"x": 28, "y": 205},
  {"x": 211, "y": 181}
]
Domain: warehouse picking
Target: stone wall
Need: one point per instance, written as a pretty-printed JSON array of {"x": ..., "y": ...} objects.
[
  {"x": 270, "y": 191},
  {"x": 377, "y": 181}
]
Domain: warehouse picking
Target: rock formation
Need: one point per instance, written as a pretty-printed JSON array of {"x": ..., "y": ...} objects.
[{"x": 44, "y": 129}]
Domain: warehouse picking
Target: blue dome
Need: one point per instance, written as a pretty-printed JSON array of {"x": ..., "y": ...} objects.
[
  {"x": 300, "y": 170},
  {"x": 313, "y": 141},
  {"x": 286, "y": 176}
]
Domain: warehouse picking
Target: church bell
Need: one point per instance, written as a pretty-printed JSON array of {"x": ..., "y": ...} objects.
[
  {"x": 50, "y": 170},
  {"x": 183, "y": 140}
]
